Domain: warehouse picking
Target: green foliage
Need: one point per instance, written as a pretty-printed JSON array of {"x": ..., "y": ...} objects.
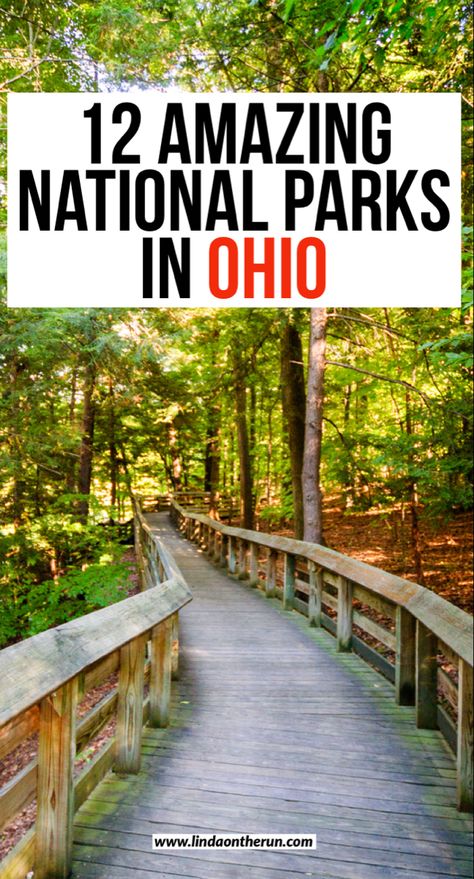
[
  {"x": 85, "y": 561},
  {"x": 161, "y": 384}
]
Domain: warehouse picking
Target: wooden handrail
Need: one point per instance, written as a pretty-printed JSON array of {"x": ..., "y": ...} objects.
[
  {"x": 42, "y": 680},
  {"x": 38, "y": 666},
  {"x": 423, "y": 622}
]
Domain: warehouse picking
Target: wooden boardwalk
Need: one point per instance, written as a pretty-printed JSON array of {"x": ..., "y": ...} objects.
[{"x": 273, "y": 731}]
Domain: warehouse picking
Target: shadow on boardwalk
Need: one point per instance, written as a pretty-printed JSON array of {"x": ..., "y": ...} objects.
[{"x": 273, "y": 731}]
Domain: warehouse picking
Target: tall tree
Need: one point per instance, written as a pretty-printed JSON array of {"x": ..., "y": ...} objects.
[
  {"x": 294, "y": 410},
  {"x": 311, "y": 478}
]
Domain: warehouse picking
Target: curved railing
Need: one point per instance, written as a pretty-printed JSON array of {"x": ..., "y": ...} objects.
[
  {"x": 406, "y": 631},
  {"x": 44, "y": 678}
]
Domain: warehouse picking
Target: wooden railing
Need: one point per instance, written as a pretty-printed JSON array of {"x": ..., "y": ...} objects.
[
  {"x": 419, "y": 641},
  {"x": 44, "y": 678},
  {"x": 227, "y": 505}
]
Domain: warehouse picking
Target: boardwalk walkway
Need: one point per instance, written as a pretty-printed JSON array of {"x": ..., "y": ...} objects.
[{"x": 274, "y": 731}]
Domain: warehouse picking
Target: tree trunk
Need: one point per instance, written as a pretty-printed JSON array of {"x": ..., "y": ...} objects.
[
  {"x": 413, "y": 502},
  {"x": 87, "y": 441},
  {"x": 246, "y": 505},
  {"x": 114, "y": 470},
  {"x": 71, "y": 462},
  {"x": 348, "y": 471},
  {"x": 312, "y": 495},
  {"x": 212, "y": 461},
  {"x": 294, "y": 411},
  {"x": 175, "y": 459}
]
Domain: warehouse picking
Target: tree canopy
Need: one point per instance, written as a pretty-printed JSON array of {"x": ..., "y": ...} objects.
[{"x": 95, "y": 401}]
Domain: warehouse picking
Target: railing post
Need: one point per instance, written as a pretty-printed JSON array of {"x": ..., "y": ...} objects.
[
  {"x": 160, "y": 674},
  {"x": 344, "y": 614},
  {"x": 210, "y": 541},
  {"x": 175, "y": 646},
  {"x": 405, "y": 662},
  {"x": 315, "y": 599},
  {"x": 289, "y": 581},
  {"x": 464, "y": 752},
  {"x": 223, "y": 554},
  {"x": 242, "y": 560},
  {"x": 232, "y": 557},
  {"x": 426, "y": 678},
  {"x": 253, "y": 564},
  {"x": 217, "y": 546},
  {"x": 270, "y": 580},
  {"x": 130, "y": 706},
  {"x": 55, "y": 798}
]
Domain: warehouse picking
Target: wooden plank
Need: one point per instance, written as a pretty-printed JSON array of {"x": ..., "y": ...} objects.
[
  {"x": 232, "y": 559},
  {"x": 175, "y": 647},
  {"x": 93, "y": 773},
  {"x": 447, "y": 728},
  {"x": 55, "y": 798},
  {"x": 253, "y": 574},
  {"x": 130, "y": 706},
  {"x": 270, "y": 579},
  {"x": 243, "y": 559},
  {"x": 101, "y": 670},
  {"x": 448, "y": 687},
  {"x": 426, "y": 678},
  {"x": 160, "y": 678},
  {"x": 217, "y": 547},
  {"x": 405, "y": 663},
  {"x": 90, "y": 725},
  {"x": 289, "y": 581},
  {"x": 19, "y": 729},
  {"x": 223, "y": 552},
  {"x": 40, "y": 665},
  {"x": 344, "y": 615},
  {"x": 370, "y": 627},
  {"x": 376, "y": 602},
  {"x": 315, "y": 604},
  {"x": 465, "y": 777},
  {"x": 19, "y": 862},
  {"x": 18, "y": 793},
  {"x": 342, "y": 862}
]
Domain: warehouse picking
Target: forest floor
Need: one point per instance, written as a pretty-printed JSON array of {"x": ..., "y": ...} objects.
[{"x": 382, "y": 538}]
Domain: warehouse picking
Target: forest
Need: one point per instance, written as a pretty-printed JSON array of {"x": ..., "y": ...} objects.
[{"x": 351, "y": 427}]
